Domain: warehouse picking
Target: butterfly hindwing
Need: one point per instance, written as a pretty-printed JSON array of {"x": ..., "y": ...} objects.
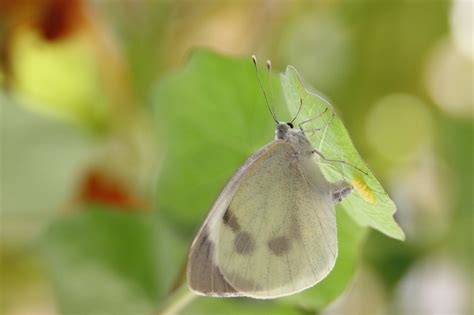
[{"x": 264, "y": 236}]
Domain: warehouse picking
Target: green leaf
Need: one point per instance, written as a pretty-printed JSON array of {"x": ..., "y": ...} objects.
[
  {"x": 105, "y": 262},
  {"x": 368, "y": 204},
  {"x": 212, "y": 117},
  {"x": 41, "y": 162}
]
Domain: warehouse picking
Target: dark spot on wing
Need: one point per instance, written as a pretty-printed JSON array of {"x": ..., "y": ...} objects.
[
  {"x": 243, "y": 243},
  {"x": 231, "y": 220},
  {"x": 279, "y": 245}
]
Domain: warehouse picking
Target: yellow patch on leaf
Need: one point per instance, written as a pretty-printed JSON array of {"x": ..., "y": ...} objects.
[{"x": 364, "y": 190}]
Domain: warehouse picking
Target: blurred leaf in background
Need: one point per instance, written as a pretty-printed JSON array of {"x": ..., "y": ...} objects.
[
  {"x": 71, "y": 68},
  {"x": 42, "y": 160},
  {"x": 53, "y": 61},
  {"x": 104, "y": 261}
]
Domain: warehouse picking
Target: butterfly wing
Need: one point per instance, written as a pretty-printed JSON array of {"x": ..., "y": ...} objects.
[
  {"x": 271, "y": 233},
  {"x": 204, "y": 276}
]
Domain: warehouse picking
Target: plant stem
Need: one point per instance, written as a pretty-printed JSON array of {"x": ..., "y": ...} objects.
[{"x": 177, "y": 301}]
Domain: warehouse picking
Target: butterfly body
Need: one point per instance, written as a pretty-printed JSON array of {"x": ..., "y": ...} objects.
[{"x": 272, "y": 231}]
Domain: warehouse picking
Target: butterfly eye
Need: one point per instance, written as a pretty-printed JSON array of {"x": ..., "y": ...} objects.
[{"x": 290, "y": 124}]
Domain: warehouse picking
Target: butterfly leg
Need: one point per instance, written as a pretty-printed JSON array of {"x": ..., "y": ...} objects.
[
  {"x": 312, "y": 119},
  {"x": 319, "y": 128},
  {"x": 337, "y": 161}
]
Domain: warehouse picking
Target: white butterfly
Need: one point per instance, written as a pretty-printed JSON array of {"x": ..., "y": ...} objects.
[{"x": 272, "y": 231}]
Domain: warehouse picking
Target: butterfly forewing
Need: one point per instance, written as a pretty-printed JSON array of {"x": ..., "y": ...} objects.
[{"x": 204, "y": 275}]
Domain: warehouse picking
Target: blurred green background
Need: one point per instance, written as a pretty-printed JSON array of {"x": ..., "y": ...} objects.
[{"x": 122, "y": 120}]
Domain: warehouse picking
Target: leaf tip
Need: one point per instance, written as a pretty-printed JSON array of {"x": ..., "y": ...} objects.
[{"x": 396, "y": 232}]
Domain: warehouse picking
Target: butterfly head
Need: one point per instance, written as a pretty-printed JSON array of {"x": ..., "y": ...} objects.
[
  {"x": 294, "y": 136},
  {"x": 287, "y": 131},
  {"x": 282, "y": 129}
]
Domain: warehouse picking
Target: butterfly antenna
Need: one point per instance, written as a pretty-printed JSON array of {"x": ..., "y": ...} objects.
[
  {"x": 298, "y": 112},
  {"x": 269, "y": 80},
  {"x": 254, "y": 59}
]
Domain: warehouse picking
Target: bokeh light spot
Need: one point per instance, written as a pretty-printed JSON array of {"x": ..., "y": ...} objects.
[
  {"x": 461, "y": 20},
  {"x": 437, "y": 285},
  {"x": 319, "y": 44},
  {"x": 398, "y": 126},
  {"x": 449, "y": 80}
]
